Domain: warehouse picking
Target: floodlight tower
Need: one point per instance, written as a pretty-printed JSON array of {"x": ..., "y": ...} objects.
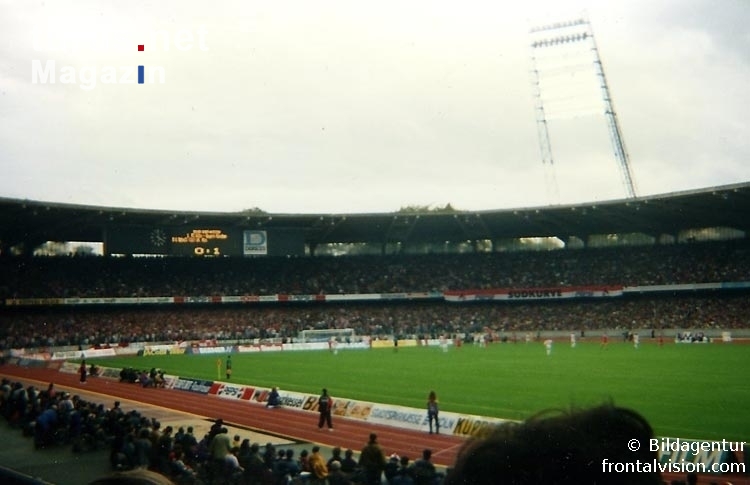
[
  {"x": 548, "y": 162},
  {"x": 559, "y": 34}
]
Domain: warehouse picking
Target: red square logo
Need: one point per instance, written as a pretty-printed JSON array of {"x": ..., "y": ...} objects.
[{"x": 141, "y": 47}]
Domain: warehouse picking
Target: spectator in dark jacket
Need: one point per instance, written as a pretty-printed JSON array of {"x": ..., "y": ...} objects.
[{"x": 372, "y": 461}]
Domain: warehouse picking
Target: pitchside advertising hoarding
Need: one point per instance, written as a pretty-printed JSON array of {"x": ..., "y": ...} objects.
[{"x": 203, "y": 241}]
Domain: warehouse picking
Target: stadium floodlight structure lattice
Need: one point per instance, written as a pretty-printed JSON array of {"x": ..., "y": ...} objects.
[{"x": 556, "y": 35}]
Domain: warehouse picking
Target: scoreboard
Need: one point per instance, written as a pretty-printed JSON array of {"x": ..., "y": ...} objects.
[
  {"x": 203, "y": 242},
  {"x": 200, "y": 241}
]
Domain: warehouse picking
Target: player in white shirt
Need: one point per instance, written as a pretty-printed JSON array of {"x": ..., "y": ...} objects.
[
  {"x": 548, "y": 346},
  {"x": 573, "y": 340}
]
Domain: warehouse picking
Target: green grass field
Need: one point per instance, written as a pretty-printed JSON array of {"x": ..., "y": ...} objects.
[{"x": 686, "y": 391}]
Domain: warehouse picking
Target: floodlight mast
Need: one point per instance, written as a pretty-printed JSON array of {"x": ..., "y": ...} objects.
[
  {"x": 579, "y": 30},
  {"x": 548, "y": 162},
  {"x": 615, "y": 132}
]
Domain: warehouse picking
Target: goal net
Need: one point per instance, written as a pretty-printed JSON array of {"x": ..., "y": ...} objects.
[{"x": 340, "y": 334}]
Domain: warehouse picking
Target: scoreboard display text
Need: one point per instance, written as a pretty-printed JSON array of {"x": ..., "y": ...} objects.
[
  {"x": 202, "y": 242},
  {"x": 199, "y": 241}
]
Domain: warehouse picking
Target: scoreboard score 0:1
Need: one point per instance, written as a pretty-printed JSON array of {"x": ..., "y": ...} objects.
[{"x": 204, "y": 242}]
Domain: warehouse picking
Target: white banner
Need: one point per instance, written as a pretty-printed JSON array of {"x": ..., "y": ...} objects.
[{"x": 551, "y": 293}]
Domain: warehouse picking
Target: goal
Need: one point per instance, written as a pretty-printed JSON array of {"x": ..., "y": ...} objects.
[{"x": 341, "y": 335}]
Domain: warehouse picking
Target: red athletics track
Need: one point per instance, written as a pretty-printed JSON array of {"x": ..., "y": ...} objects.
[
  {"x": 293, "y": 424},
  {"x": 296, "y": 425}
]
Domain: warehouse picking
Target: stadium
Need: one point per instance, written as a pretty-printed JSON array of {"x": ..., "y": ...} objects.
[
  {"x": 672, "y": 269},
  {"x": 150, "y": 330}
]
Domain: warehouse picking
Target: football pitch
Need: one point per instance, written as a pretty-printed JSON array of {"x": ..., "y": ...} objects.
[{"x": 698, "y": 391}]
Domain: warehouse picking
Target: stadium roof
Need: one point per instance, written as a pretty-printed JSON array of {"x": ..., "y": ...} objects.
[{"x": 35, "y": 222}]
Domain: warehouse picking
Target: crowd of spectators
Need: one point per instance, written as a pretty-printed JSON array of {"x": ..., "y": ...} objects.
[
  {"x": 61, "y": 277},
  {"x": 245, "y": 323},
  {"x": 28, "y": 327},
  {"x": 53, "y": 418}
]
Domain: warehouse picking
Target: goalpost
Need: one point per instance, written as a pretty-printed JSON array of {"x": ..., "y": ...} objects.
[{"x": 340, "y": 334}]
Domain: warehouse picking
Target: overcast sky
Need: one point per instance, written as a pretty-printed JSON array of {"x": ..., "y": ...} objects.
[{"x": 351, "y": 106}]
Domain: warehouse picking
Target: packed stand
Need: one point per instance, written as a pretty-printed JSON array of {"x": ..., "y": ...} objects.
[
  {"x": 70, "y": 277},
  {"x": 119, "y": 326}
]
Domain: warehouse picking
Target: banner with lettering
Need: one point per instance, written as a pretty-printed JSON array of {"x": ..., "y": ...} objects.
[{"x": 546, "y": 293}]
